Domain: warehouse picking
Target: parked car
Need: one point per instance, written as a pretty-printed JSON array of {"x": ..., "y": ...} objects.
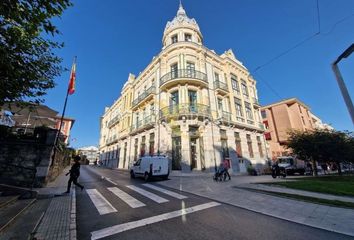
[
  {"x": 291, "y": 165},
  {"x": 149, "y": 167}
]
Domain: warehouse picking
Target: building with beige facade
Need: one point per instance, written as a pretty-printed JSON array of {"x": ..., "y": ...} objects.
[
  {"x": 282, "y": 117},
  {"x": 189, "y": 103}
]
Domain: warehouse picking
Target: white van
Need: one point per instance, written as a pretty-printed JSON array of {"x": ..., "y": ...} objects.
[{"x": 149, "y": 167}]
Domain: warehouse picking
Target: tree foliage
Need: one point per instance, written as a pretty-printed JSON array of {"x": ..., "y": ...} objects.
[
  {"x": 323, "y": 146},
  {"x": 28, "y": 65}
]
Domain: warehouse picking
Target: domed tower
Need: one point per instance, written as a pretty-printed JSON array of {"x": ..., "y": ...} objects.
[{"x": 181, "y": 29}]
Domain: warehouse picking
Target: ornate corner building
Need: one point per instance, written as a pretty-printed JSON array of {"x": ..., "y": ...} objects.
[{"x": 189, "y": 103}]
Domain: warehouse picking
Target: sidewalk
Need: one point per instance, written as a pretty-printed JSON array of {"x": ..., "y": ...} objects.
[
  {"x": 263, "y": 187},
  {"x": 59, "y": 220},
  {"x": 340, "y": 220}
]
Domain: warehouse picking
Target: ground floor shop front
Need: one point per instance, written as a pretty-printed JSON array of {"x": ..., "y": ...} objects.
[{"x": 191, "y": 145}]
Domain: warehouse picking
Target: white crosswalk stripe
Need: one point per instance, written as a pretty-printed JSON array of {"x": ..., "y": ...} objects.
[
  {"x": 147, "y": 194},
  {"x": 132, "y": 202},
  {"x": 100, "y": 202},
  {"x": 109, "y": 231},
  {"x": 165, "y": 191}
]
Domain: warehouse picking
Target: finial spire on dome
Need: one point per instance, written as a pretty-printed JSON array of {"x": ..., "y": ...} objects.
[{"x": 181, "y": 10}]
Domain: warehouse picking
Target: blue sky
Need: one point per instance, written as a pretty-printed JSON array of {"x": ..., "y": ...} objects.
[{"x": 113, "y": 38}]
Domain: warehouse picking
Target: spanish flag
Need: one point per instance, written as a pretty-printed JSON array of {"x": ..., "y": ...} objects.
[{"x": 71, "y": 87}]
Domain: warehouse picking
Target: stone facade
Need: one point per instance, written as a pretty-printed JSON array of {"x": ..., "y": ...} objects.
[
  {"x": 28, "y": 162},
  {"x": 189, "y": 103}
]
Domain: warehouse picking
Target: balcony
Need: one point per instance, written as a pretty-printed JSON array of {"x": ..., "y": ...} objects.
[
  {"x": 250, "y": 121},
  {"x": 146, "y": 95},
  {"x": 240, "y": 119},
  {"x": 185, "y": 110},
  {"x": 144, "y": 124},
  {"x": 221, "y": 87},
  {"x": 224, "y": 116},
  {"x": 113, "y": 121},
  {"x": 183, "y": 76},
  {"x": 112, "y": 140},
  {"x": 256, "y": 103}
]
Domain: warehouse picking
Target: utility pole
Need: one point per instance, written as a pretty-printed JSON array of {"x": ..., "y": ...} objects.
[{"x": 341, "y": 83}]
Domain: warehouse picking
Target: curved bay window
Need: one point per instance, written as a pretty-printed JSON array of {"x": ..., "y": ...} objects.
[
  {"x": 174, "y": 101},
  {"x": 192, "y": 98},
  {"x": 174, "y": 70},
  {"x": 190, "y": 70}
]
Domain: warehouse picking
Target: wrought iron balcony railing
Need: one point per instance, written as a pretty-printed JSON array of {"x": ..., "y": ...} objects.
[
  {"x": 149, "y": 120},
  {"x": 183, "y": 73},
  {"x": 224, "y": 116},
  {"x": 145, "y": 94},
  {"x": 221, "y": 85},
  {"x": 185, "y": 109},
  {"x": 256, "y": 102},
  {"x": 113, "y": 121}
]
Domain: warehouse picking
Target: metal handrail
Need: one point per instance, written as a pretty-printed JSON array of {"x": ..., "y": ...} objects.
[
  {"x": 113, "y": 121},
  {"x": 221, "y": 85},
  {"x": 142, "y": 96},
  {"x": 183, "y": 73},
  {"x": 226, "y": 116},
  {"x": 185, "y": 109},
  {"x": 255, "y": 101},
  {"x": 142, "y": 123}
]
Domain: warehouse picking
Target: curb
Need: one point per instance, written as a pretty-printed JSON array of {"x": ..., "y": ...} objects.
[
  {"x": 72, "y": 230},
  {"x": 264, "y": 213}
]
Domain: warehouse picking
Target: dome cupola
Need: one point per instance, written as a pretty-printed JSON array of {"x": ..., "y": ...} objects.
[{"x": 181, "y": 28}]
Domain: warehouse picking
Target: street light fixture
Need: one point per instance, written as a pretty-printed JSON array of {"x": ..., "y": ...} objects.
[{"x": 341, "y": 83}]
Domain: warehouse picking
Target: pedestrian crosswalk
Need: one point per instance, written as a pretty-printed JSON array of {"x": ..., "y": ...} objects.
[
  {"x": 103, "y": 205},
  {"x": 100, "y": 202},
  {"x": 133, "y": 202},
  {"x": 165, "y": 191},
  {"x": 147, "y": 194}
]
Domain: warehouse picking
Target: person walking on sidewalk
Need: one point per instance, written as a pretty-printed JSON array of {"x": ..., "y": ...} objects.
[
  {"x": 74, "y": 174},
  {"x": 226, "y": 164}
]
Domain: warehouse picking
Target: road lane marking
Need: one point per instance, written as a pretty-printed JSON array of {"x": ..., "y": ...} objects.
[
  {"x": 147, "y": 194},
  {"x": 109, "y": 180},
  {"x": 100, "y": 202},
  {"x": 165, "y": 191},
  {"x": 132, "y": 202},
  {"x": 105, "y": 232}
]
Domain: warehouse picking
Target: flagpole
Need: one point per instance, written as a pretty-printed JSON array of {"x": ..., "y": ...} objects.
[{"x": 61, "y": 120}]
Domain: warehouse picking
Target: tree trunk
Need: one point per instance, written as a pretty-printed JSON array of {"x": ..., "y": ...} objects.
[
  {"x": 339, "y": 168},
  {"x": 314, "y": 165}
]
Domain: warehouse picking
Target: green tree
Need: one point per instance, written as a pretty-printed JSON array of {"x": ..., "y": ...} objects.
[
  {"x": 322, "y": 146},
  {"x": 28, "y": 65}
]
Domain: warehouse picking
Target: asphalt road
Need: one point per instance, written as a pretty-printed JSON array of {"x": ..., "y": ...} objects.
[{"x": 101, "y": 214}]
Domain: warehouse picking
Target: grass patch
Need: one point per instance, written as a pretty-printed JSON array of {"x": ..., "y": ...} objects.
[
  {"x": 334, "y": 203},
  {"x": 336, "y": 185}
]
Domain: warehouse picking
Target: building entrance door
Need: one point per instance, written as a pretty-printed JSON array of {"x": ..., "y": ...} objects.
[
  {"x": 242, "y": 165},
  {"x": 193, "y": 147},
  {"x": 176, "y": 153}
]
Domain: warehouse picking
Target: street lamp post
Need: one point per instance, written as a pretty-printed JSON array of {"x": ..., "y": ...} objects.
[{"x": 341, "y": 82}]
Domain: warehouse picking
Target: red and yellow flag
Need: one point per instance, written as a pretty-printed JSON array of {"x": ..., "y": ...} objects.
[{"x": 71, "y": 87}]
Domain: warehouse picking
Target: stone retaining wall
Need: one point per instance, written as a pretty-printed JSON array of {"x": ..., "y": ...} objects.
[{"x": 28, "y": 163}]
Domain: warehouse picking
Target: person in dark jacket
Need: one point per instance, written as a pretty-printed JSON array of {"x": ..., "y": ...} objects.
[{"x": 74, "y": 174}]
